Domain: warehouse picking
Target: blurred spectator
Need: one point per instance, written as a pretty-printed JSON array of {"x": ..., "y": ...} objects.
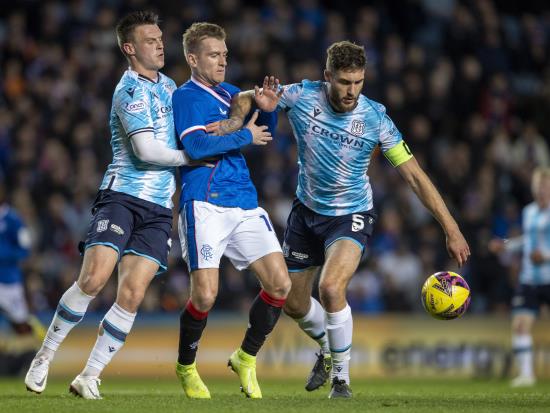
[{"x": 467, "y": 83}]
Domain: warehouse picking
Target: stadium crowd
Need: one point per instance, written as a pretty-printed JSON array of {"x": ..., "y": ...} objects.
[{"x": 466, "y": 82}]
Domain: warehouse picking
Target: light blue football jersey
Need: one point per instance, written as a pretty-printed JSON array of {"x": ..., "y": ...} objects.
[
  {"x": 141, "y": 105},
  {"x": 334, "y": 149},
  {"x": 536, "y": 236}
]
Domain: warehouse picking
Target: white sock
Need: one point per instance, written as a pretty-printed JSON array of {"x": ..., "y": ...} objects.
[
  {"x": 113, "y": 330},
  {"x": 313, "y": 324},
  {"x": 522, "y": 344},
  {"x": 340, "y": 331},
  {"x": 70, "y": 311}
]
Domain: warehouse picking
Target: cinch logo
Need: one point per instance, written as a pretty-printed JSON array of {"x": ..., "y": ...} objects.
[
  {"x": 166, "y": 109},
  {"x": 339, "y": 138},
  {"x": 135, "y": 106}
]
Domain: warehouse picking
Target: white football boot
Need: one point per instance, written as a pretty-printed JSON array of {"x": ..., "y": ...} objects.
[
  {"x": 37, "y": 376},
  {"x": 86, "y": 387}
]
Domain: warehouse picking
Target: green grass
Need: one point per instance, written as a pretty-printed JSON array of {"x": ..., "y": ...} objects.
[{"x": 151, "y": 396}]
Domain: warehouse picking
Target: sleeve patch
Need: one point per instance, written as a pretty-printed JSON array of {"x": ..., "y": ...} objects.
[{"x": 399, "y": 154}]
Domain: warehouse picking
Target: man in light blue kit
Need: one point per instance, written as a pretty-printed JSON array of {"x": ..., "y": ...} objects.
[
  {"x": 219, "y": 212},
  {"x": 336, "y": 129},
  {"x": 533, "y": 289},
  {"x": 132, "y": 216}
]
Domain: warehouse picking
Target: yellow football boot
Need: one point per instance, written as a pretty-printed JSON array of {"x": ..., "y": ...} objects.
[
  {"x": 245, "y": 366},
  {"x": 192, "y": 384}
]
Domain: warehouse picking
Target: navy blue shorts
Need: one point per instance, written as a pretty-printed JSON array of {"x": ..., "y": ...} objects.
[
  {"x": 530, "y": 297},
  {"x": 131, "y": 226},
  {"x": 309, "y": 234}
]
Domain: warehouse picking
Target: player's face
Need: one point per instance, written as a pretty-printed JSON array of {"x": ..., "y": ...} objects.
[
  {"x": 541, "y": 192},
  {"x": 147, "y": 47},
  {"x": 344, "y": 88},
  {"x": 209, "y": 63}
]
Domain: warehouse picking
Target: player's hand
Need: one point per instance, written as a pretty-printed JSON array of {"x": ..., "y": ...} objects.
[
  {"x": 496, "y": 245},
  {"x": 458, "y": 248},
  {"x": 537, "y": 257},
  {"x": 269, "y": 95},
  {"x": 260, "y": 134}
]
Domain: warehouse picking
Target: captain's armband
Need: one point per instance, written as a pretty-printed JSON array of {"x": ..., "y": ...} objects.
[{"x": 399, "y": 154}]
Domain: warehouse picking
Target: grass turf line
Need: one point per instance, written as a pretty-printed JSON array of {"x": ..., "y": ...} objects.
[{"x": 151, "y": 396}]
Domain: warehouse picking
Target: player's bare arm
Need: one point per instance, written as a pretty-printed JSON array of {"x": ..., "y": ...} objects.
[
  {"x": 425, "y": 190},
  {"x": 265, "y": 98}
]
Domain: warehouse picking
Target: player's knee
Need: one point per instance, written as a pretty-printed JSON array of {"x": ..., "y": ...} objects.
[
  {"x": 204, "y": 300},
  {"x": 91, "y": 282},
  {"x": 281, "y": 285},
  {"x": 130, "y": 298},
  {"x": 330, "y": 291}
]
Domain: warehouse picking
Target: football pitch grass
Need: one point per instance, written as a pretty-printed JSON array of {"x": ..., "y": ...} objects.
[{"x": 282, "y": 396}]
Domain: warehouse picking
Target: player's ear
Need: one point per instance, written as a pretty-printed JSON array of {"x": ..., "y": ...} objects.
[
  {"x": 191, "y": 59},
  {"x": 328, "y": 75},
  {"x": 128, "y": 49}
]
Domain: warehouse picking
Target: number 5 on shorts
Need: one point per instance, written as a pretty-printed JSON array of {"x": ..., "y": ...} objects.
[{"x": 358, "y": 222}]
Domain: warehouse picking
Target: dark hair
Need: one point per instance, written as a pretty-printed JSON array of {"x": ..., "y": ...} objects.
[
  {"x": 199, "y": 31},
  {"x": 345, "y": 55},
  {"x": 126, "y": 25}
]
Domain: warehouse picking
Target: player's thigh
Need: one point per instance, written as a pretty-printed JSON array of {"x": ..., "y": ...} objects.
[
  {"x": 341, "y": 262},
  {"x": 204, "y": 231},
  {"x": 13, "y": 303},
  {"x": 272, "y": 272},
  {"x": 302, "y": 249},
  {"x": 204, "y": 288},
  {"x": 135, "y": 274},
  {"x": 252, "y": 239}
]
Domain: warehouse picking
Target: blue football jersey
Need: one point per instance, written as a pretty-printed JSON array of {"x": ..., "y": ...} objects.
[
  {"x": 536, "y": 236},
  {"x": 141, "y": 105},
  {"x": 14, "y": 245},
  {"x": 334, "y": 149},
  {"x": 228, "y": 184}
]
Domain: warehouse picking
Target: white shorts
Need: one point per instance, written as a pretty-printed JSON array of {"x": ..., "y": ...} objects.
[
  {"x": 209, "y": 231},
  {"x": 13, "y": 303}
]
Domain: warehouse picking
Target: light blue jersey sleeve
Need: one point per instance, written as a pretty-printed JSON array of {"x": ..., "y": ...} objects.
[
  {"x": 133, "y": 107},
  {"x": 290, "y": 96}
]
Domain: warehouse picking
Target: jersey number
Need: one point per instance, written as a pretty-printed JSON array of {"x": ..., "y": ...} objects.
[{"x": 358, "y": 222}]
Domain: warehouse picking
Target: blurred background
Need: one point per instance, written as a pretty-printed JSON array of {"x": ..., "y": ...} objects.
[{"x": 466, "y": 82}]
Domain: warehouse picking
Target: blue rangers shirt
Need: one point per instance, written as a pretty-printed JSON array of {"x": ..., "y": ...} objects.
[
  {"x": 536, "y": 236},
  {"x": 14, "y": 245},
  {"x": 141, "y": 105},
  {"x": 228, "y": 184},
  {"x": 334, "y": 149}
]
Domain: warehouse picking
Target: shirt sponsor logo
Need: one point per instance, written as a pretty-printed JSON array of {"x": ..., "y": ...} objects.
[
  {"x": 340, "y": 139},
  {"x": 166, "y": 109},
  {"x": 102, "y": 225},
  {"x": 135, "y": 106}
]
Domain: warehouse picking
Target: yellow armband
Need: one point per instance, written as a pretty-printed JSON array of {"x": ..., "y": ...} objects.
[{"x": 399, "y": 154}]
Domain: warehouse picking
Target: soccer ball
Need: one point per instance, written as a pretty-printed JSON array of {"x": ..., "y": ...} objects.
[{"x": 445, "y": 295}]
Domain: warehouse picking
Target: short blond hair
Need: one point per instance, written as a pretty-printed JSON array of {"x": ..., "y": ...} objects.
[{"x": 199, "y": 31}]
